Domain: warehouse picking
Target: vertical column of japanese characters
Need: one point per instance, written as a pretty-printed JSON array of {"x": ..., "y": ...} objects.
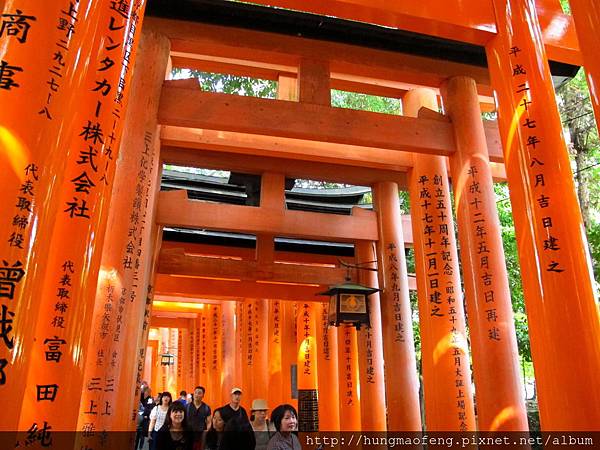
[
  {"x": 67, "y": 289},
  {"x": 36, "y": 62}
]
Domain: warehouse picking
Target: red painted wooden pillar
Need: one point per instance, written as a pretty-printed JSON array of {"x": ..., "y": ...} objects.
[
  {"x": 205, "y": 336},
  {"x": 370, "y": 348},
  {"x": 154, "y": 379},
  {"x": 444, "y": 348},
  {"x": 179, "y": 360},
  {"x": 261, "y": 350},
  {"x": 192, "y": 355},
  {"x": 228, "y": 350},
  {"x": 561, "y": 308},
  {"x": 142, "y": 290},
  {"x": 215, "y": 350},
  {"x": 500, "y": 403},
  {"x": 41, "y": 83},
  {"x": 172, "y": 369},
  {"x": 308, "y": 387},
  {"x": 197, "y": 357},
  {"x": 328, "y": 374},
  {"x": 121, "y": 297},
  {"x": 350, "y": 412},
  {"x": 248, "y": 354},
  {"x": 68, "y": 286},
  {"x": 403, "y": 411},
  {"x": 275, "y": 395},
  {"x": 163, "y": 348},
  {"x": 289, "y": 350},
  {"x": 201, "y": 348},
  {"x": 238, "y": 379},
  {"x": 186, "y": 363}
]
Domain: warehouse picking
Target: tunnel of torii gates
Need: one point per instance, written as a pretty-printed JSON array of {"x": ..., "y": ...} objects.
[{"x": 102, "y": 272}]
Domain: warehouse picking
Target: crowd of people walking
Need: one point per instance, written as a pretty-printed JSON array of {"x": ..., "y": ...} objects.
[{"x": 188, "y": 423}]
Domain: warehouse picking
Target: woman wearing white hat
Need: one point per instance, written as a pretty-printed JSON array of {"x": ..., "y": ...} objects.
[{"x": 260, "y": 424}]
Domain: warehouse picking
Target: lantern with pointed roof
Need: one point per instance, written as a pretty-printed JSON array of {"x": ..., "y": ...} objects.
[
  {"x": 349, "y": 303},
  {"x": 166, "y": 357}
]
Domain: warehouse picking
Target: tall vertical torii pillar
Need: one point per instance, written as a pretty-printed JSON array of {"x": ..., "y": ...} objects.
[
  {"x": 500, "y": 402},
  {"x": 350, "y": 414},
  {"x": 186, "y": 365},
  {"x": 154, "y": 377},
  {"x": 215, "y": 353},
  {"x": 327, "y": 353},
  {"x": 248, "y": 354},
  {"x": 152, "y": 242},
  {"x": 40, "y": 99},
  {"x": 564, "y": 328},
  {"x": 272, "y": 195},
  {"x": 261, "y": 349},
  {"x": 164, "y": 349},
  {"x": 197, "y": 356},
  {"x": 447, "y": 388},
  {"x": 172, "y": 380},
  {"x": 228, "y": 346},
  {"x": 275, "y": 380},
  {"x": 287, "y": 89},
  {"x": 402, "y": 383},
  {"x": 121, "y": 295},
  {"x": 370, "y": 346},
  {"x": 66, "y": 289},
  {"x": 29, "y": 165},
  {"x": 207, "y": 375},
  {"x": 289, "y": 350},
  {"x": 308, "y": 383},
  {"x": 238, "y": 378},
  {"x": 192, "y": 355}
]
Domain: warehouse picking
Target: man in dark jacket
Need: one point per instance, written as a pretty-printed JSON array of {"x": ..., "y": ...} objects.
[
  {"x": 238, "y": 430},
  {"x": 198, "y": 416}
]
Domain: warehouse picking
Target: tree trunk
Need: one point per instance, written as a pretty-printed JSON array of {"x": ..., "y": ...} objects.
[{"x": 583, "y": 193}]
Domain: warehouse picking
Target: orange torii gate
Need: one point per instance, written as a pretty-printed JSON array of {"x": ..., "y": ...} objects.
[{"x": 89, "y": 282}]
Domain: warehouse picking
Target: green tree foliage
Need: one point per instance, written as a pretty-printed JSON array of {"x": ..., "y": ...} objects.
[
  {"x": 230, "y": 84},
  {"x": 513, "y": 269},
  {"x": 584, "y": 146},
  {"x": 364, "y": 102}
]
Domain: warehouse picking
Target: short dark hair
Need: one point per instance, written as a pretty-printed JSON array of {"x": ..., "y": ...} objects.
[
  {"x": 201, "y": 387},
  {"x": 165, "y": 394},
  {"x": 176, "y": 406},
  {"x": 278, "y": 413},
  {"x": 183, "y": 393}
]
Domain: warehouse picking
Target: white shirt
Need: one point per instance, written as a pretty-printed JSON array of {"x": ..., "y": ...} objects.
[{"x": 160, "y": 416}]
